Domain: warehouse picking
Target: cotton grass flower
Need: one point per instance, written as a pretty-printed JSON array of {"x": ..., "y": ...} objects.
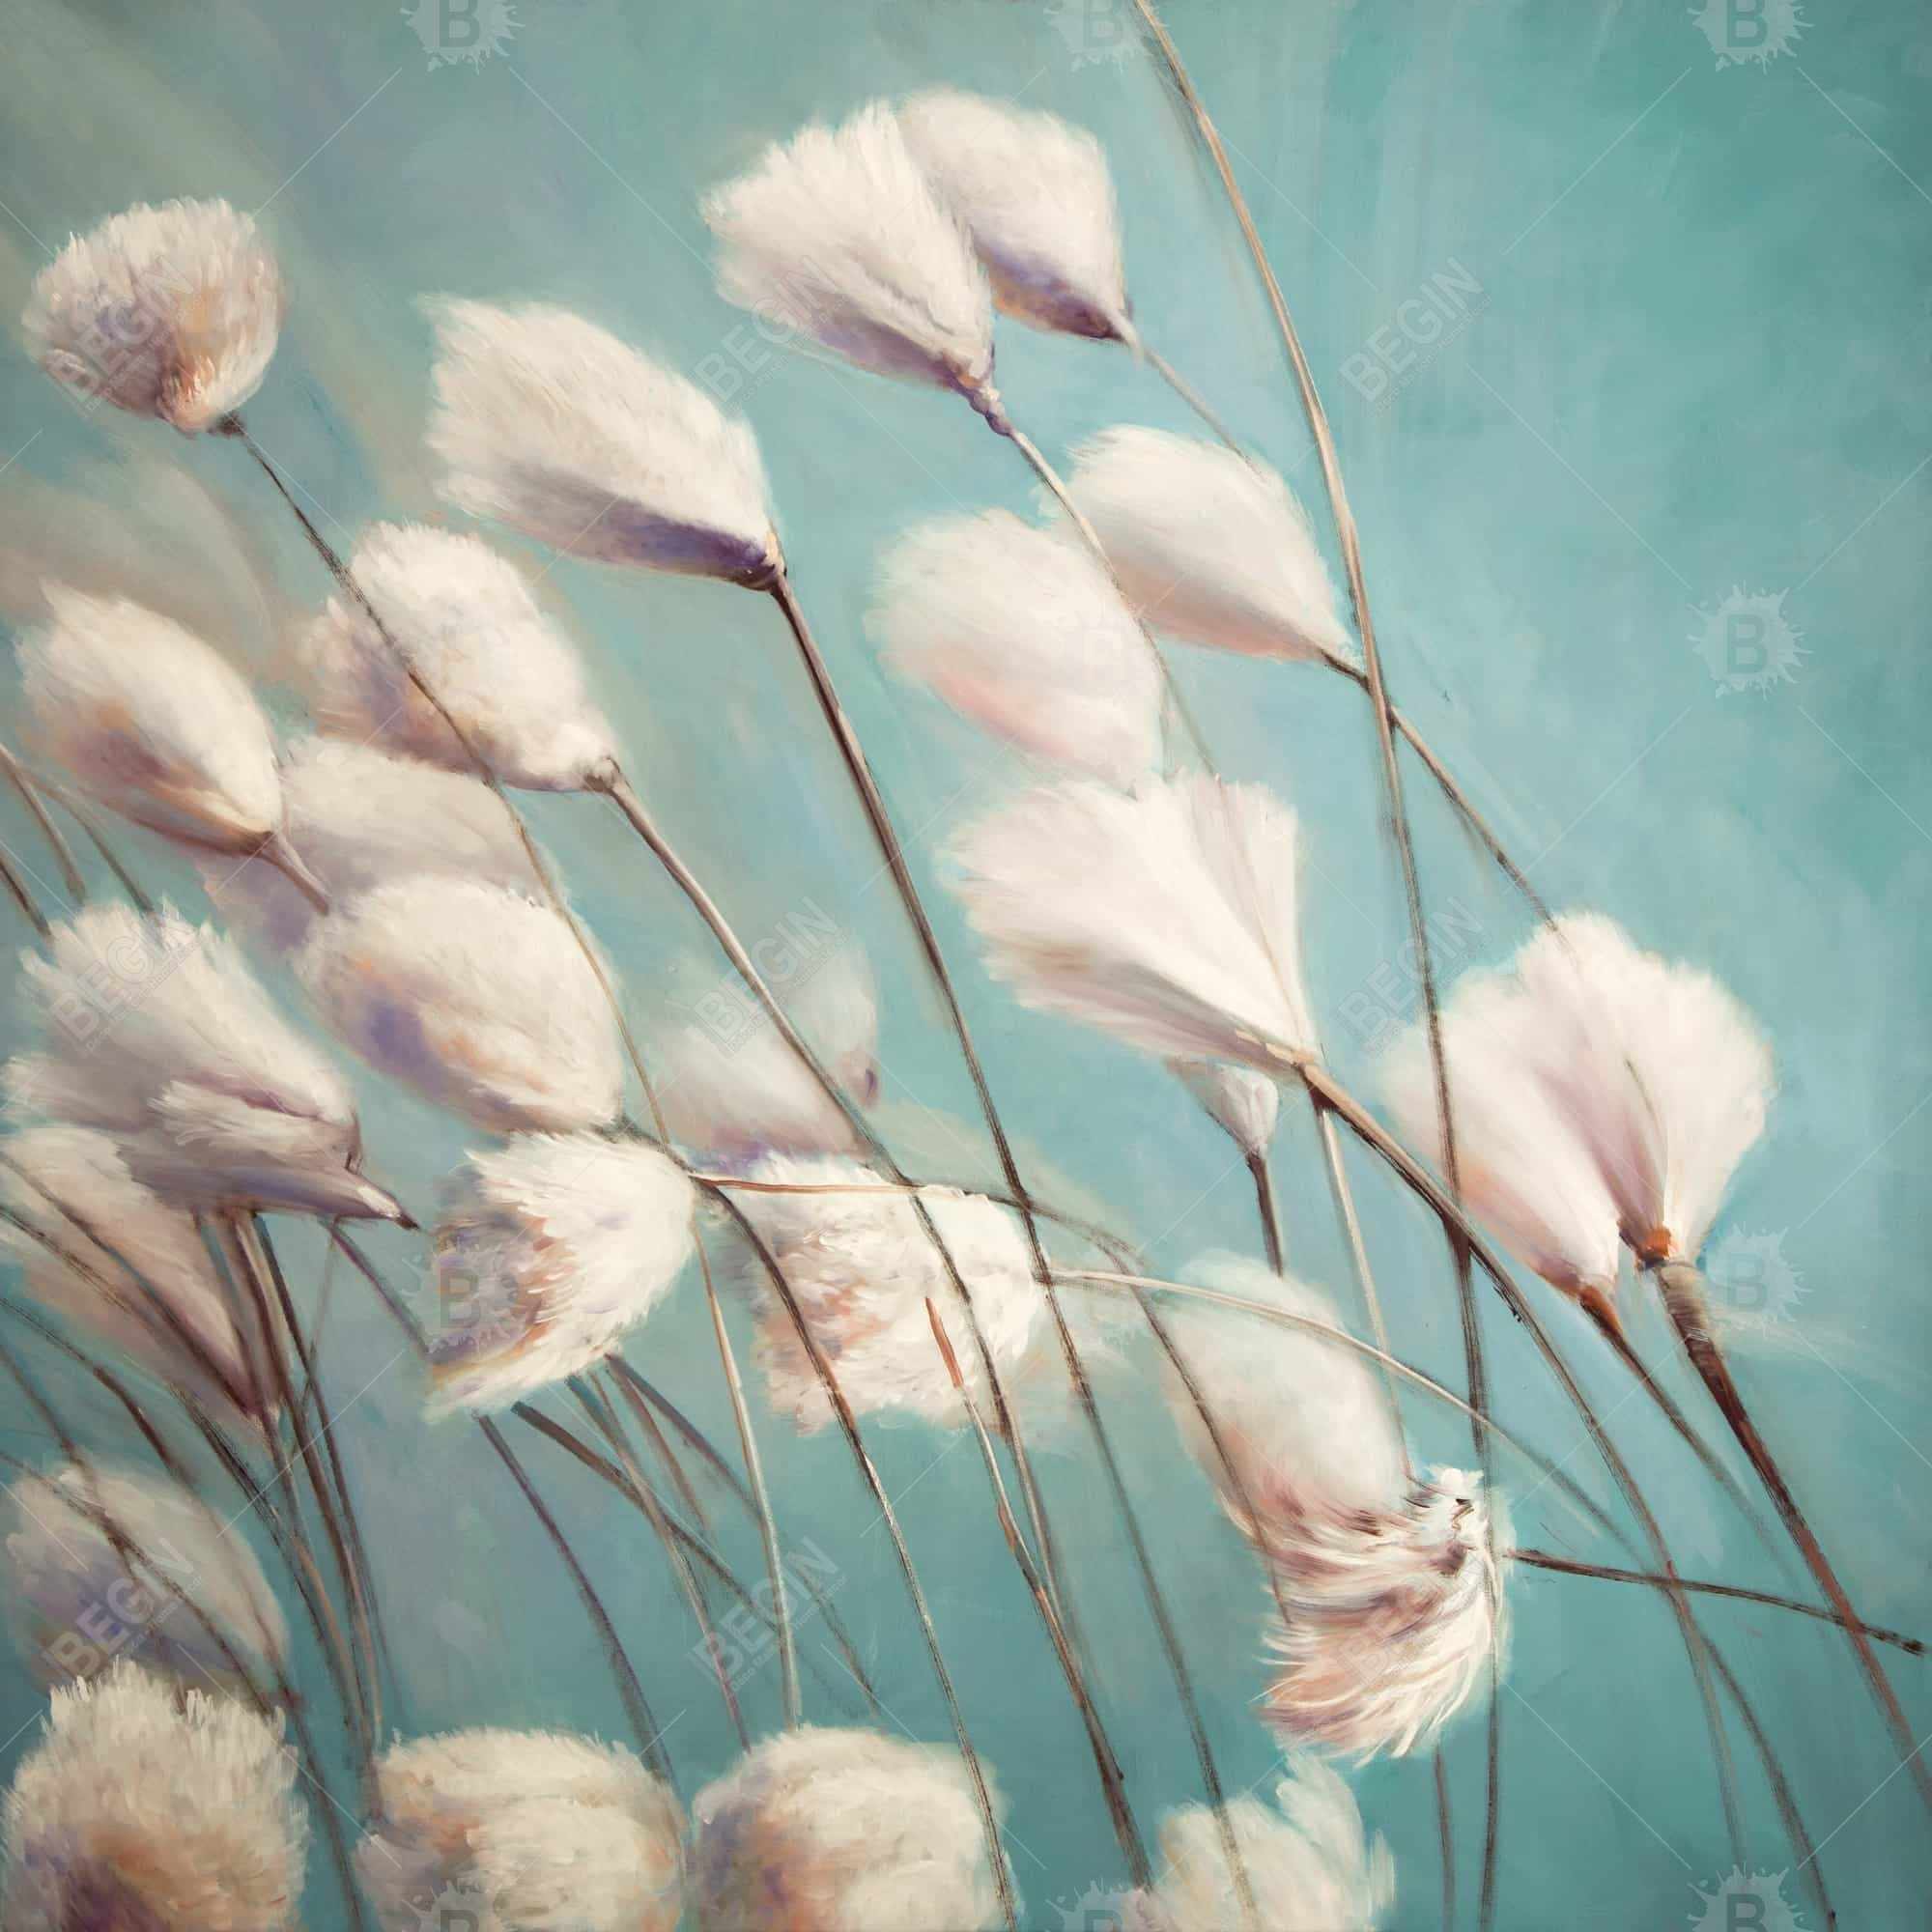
[
  {"x": 1310, "y": 1864},
  {"x": 147, "y": 1808},
  {"x": 1244, "y": 1104},
  {"x": 862, "y": 1269},
  {"x": 156, "y": 1032},
  {"x": 99, "y": 1562},
  {"x": 550, "y": 425},
  {"x": 522, "y": 1832},
  {"x": 819, "y": 1828},
  {"x": 462, "y": 619},
  {"x": 1210, "y": 547},
  {"x": 151, "y": 721},
  {"x": 477, "y": 998},
  {"x": 1165, "y": 917},
  {"x": 839, "y": 234},
  {"x": 550, "y": 1250},
  {"x": 360, "y": 818},
  {"x": 1021, "y": 630},
  {"x": 170, "y": 312}
]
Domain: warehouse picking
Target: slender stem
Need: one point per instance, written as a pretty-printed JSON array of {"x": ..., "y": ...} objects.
[
  {"x": 1266, "y": 1208},
  {"x": 1445, "y": 1837},
  {"x": 647, "y": 1425},
  {"x": 70, "y": 873},
  {"x": 18, "y": 891},
  {"x": 90, "y": 826},
  {"x": 1189, "y": 395}
]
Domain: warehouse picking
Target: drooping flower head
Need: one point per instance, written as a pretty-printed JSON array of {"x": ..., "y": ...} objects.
[
  {"x": 461, "y": 617},
  {"x": 156, "y": 1809},
  {"x": 550, "y": 424},
  {"x": 839, "y": 234},
  {"x": 551, "y": 1248},
  {"x": 819, "y": 1828},
  {"x": 477, "y": 997},
  {"x": 1021, "y": 630},
  {"x": 1208, "y": 545},
  {"x": 1165, "y": 917},
  {"x": 1244, "y": 1103},
  {"x": 522, "y": 1832},
  {"x": 170, "y": 312},
  {"x": 1034, "y": 195}
]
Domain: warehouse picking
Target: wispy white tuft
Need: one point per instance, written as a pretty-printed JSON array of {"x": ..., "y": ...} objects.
[
  {"x": 550, "y": 424},
  {"x": 154, "y": 1031},
  {"x": 146, "y": 1808},
  {"x": 1165, "y": 916},
  {"x": 521, "y": 1832},
  {"x": 839, "y": 234},
  {"x": 97, "y": 1564},
  {"x": 1021, "y": 630},
  {"x": 862, "y": 1269},
  {"x": 842, "y": 1828},
  {"x": 1244, "y": 1103},
  {"x": 729, "y": 1086},
  {"x": 358, "y": 818},
  {"x": 551, "y": 1248},
  {"x": 477, "y": 998},
  {"x": 1312, "y": 1866},
  {"x": 1035, "y": 196},
  {"x": 1209, "y": 546},
  {"x": 461, "y": 617},
  {"x": 170, "y": 312}
]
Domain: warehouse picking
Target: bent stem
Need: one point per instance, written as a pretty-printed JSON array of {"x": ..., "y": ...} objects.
[{"x": 30, "y": 796}]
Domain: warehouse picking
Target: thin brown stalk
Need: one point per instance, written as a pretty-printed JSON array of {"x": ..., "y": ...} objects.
[
  {"x": 1445, "y": 1837},
  {"x": 90, "y": 826},
  {"x": 70, "y": 873},
  {"x": 18, "y": 893},
  {"x": 1266, "y": 1209},
  {"x": 645, "y": 1418}
]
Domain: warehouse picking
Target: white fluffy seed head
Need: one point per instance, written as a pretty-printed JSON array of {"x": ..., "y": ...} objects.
[
  {"x": 477, "y": 997},
  {"x": 1021, "y": 630},
  {"x": 1034, "y": 195},
  {"x": 551, "y": 1248},
  {"x": 839, "y": 235},
  {"x": 550, "y": 424},
  {"x": 151, "y": 721},
  {"x": 1244, "y": 1103},
  {"x": 1165, "y": 916},
  {"x": 820, "y": 1828},
  {"x": 170, "y": 312},
  {"x": 522, "y": 1832},
  {"x": 146, "y": 1807},
  {"x": 461, "y": 617},
  {"x": 1209, "y": 547},
  {"x": 863, "y": 1268},
  {"x": 1306, "y": 1856},
  {"x": 358, "y": 818},
  {"x": 99, "y": 1562}
]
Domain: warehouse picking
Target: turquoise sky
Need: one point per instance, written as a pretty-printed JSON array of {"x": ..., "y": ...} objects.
[{"x": 1643, "y": 514}]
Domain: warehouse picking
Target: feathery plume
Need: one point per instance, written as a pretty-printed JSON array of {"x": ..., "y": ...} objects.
[
  {"x": 1165, "y": 917},
  {"x": 1020, "y": 630},
  {"x": 151, "y": 721},
  {"x": 845, "y": 1827},
  {"x": 170, "y": 312},
  {"x": 550, "y": 1249},
  {"x": 462, "y": 618},
  {"x": 550, "y": 425},
  {"x": 477, "y": 997},
  {"x": 1034, "y": 195},
  {"x": 861, "y": 1268},
  {"x": 839, "y": 234},
  {"x": 95, "y": 1559},
  {"x": 156, "y": 1032},
  {"x": 360, "y": 818},
  {"x": 1312, "y": 1866},
  {"x": 149, "y": 1807},
  {"x": 522, "y": 1832},
  {"x": 1244, "y": 1103},
  {"x": 730, "y": 1087},
  {"x": 1209, "y": 546}
]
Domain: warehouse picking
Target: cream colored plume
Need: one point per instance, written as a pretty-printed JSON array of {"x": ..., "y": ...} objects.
[{"x": 1244, "y": 1103}]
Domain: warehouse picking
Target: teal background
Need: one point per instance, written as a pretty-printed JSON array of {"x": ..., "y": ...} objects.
[{"x": 1698, "y": 361}]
